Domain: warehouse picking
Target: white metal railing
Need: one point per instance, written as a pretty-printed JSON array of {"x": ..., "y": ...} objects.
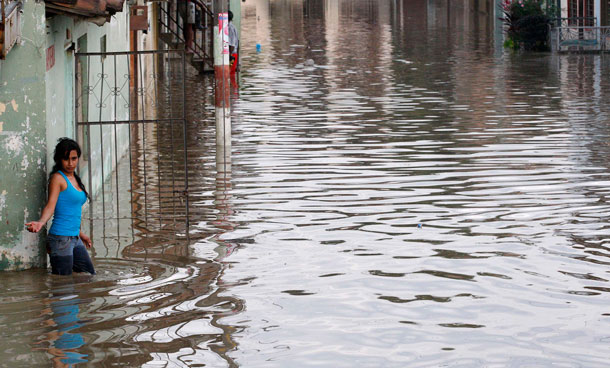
[
  {"x": 575, "y": 21},
  {"x": 574, "y": 38}
]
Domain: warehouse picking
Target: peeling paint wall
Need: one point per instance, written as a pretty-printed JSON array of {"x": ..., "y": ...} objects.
[{"x": 23, "y": 143}]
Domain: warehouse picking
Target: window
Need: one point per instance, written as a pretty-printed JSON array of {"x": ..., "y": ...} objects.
[
  {"x": 103, "y": 46},
  {"x": 581, "y": 13}
]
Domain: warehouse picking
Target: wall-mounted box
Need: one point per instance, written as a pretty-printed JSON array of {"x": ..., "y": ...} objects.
[{"x": 138, "y": 18}]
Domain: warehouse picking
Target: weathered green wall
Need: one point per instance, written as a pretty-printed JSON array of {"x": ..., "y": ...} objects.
[{"x": 23, "y": 143}]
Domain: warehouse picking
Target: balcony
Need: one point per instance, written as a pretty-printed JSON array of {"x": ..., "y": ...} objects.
[
  {"x": 580, "y": 39},
  {"x": 579, "y": 35}
]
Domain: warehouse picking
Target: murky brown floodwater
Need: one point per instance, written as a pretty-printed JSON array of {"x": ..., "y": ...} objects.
[{"x": 403, "y": 193}]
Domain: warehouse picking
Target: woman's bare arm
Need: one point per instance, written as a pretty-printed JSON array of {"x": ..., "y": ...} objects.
[{"x": 49, "y": 209}]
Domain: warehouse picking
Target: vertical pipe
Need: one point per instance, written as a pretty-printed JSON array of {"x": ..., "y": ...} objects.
[
  {"x": 222, "y": 107},
  {"x": 210, "y": 33},
  {"x": 75, "y": 87},
  {"x": 186, "y": 170},
  {"x": 89, "y": 164},
  {"x": 139, "y": 71},
  {"x": 155, "y": 57},
  {"x": 222, "y": 82},
  {"x": 133, "y": 77},
  {"x": 171, "y": 122},
  {"x": 116, "y": 160},
  {"x": 133, "y": 81},
  {"x": 155, "y": 26},
  {"x": 131, "y": 203},
  {"x": 223, "y": 184},
  {"x": 102, "y": 146}
]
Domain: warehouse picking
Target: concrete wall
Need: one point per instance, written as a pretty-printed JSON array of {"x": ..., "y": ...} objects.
[{"x": 23, "y": 143}]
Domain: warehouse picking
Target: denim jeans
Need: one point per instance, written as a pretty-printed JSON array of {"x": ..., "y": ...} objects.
[{"x": 68, "y": 253}]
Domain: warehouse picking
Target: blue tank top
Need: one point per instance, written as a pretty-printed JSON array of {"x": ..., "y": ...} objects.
[{"x": 68, "y": 211}]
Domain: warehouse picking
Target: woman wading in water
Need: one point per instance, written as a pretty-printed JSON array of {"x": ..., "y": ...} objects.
[{"x": 67, "y": 195}]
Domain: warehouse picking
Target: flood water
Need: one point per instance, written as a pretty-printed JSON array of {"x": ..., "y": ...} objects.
[{"x": 402, "y": 193}]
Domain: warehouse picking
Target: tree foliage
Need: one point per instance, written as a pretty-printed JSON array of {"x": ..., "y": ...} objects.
[{"x": 527, "y": 24}]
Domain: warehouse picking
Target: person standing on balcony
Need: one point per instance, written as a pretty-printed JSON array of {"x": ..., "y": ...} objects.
[
  {"x": 186, "y": 8},
  {"x": 233, "y": 44},
  {"x": 65, "y": 242}
]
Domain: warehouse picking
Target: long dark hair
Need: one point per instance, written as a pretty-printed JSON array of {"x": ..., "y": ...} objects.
[{"x": 62, "y": 152}]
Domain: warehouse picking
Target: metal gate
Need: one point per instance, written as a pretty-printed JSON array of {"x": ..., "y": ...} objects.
[{"x": 130, "y": 112}]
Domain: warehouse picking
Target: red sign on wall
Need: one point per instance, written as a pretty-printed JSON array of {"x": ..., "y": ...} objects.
[{"x": 50, "y": 57}]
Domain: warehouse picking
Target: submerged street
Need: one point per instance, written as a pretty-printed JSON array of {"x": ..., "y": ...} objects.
[{"x": 402, "y": 192}]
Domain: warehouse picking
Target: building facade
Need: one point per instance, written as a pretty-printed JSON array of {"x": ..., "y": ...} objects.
[{"x": 37, "y": 94}]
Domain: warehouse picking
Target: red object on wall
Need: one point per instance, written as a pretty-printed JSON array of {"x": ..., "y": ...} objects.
[
  {"x": 234, "y": 63},
  {"x": 50, "y": 57}
]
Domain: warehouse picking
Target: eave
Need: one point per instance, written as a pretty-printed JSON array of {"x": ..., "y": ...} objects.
[{"x": 97, "y": 11}]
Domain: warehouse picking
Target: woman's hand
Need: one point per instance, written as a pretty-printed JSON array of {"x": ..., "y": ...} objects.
[
  {"x": 34, "y": 226},
  {"x": 86, "y": 240},
  {"x": 47, "y": 211}
]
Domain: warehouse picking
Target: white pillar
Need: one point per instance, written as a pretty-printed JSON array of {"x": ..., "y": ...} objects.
[
  {"x": 223, "y": 85},
  {"x": 597, "y": 11}
]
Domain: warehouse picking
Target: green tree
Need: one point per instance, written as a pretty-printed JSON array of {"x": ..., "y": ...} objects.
[{"x": 527, "y": 24}]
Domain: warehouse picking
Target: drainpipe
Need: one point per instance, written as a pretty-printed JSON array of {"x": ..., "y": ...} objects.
[
  {"x": 133, "y": 70},
  {"x": 222, "y": 84}
]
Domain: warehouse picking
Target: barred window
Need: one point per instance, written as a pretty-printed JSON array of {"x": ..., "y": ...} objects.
[{"x": 581, "y": 13}]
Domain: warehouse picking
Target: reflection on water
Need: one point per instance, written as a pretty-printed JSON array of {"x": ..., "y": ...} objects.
[
  {"x": 401, "y": 192},
  {"x": 63, "y": 311}
]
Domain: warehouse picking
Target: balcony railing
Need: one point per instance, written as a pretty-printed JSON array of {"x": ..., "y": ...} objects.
[
  {"x": 172, "y": 18},
  {"x": 575, "y": 38},
  {"x": 575, "y": 21}
]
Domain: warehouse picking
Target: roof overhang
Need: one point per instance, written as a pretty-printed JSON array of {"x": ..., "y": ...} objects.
[{"x": 96, "y": 11}]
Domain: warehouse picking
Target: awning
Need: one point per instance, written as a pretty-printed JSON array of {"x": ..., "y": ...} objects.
[{"x": 97, "y": 11}]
